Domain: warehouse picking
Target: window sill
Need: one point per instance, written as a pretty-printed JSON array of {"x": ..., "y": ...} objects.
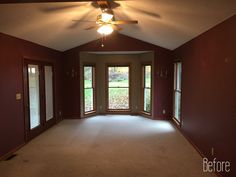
[
  {"x": 89, "y": 113},
  {"x": 117, "y": 111},
  {"x": 177, "y": 122},
  {"x": 147, "y": 114}
]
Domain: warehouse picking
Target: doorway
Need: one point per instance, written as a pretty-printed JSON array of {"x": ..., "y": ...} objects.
[{"x": 39, "y": 97}]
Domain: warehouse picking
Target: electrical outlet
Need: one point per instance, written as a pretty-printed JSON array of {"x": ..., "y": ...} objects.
[
  {"x": 212, "y": 151},
  {"x": 100, "y": 107},
  {"x": 18, "y": 96}
]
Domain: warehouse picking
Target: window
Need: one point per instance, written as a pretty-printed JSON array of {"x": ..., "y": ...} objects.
[
  {"x": 118, "y": 88},
  {"x": 89, "y": 89},
  {"x": 48, "y": 77},
  {"x": 177, "y": 90},
  {"x": 146, "y": 89}
]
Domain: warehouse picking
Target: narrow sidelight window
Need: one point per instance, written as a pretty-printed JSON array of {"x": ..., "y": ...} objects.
[
  {"x": 177, "y": 91},
  {"x": 147, "y": 89},
  {"x": 118, "y": 88},
  {"x": 89, "y": 89}
]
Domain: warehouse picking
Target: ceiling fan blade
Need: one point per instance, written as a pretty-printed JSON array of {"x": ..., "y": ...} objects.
[
  {"x": 91, "y": 27},
  {"x": 124, "y": 22},
  {"x": 117, "y": 28},
  {"x": 77, "y": 23}
]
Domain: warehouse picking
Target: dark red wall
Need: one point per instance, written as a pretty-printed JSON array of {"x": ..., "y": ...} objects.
[
  {"x": 209, "y": 91},
  {"x": 208, "y": 97},
  {"x": 119, "y": 42},
  {"x": 12, "y": 51}
]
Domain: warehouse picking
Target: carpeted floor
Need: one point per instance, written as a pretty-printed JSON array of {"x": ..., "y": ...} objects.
[{"x": 107, "y": 146}]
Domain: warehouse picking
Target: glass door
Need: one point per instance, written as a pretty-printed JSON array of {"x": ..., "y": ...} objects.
[
  {"x": 39, "y": 97},
  {"x": 48, "y": 85},
  {"x": 34, "y": 96}
]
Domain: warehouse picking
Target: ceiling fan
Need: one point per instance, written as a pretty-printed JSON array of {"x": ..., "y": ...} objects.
[{"x": 106, "y": 23}]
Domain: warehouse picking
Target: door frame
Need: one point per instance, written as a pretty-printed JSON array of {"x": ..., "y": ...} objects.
[{"x": 30, "y": 134}]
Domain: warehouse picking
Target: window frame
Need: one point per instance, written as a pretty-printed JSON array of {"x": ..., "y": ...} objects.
[
  {"x": 86, "y": 113},
  {"x": 107, "y": 88},
  {"x": 176, "y": 90},
  {"x": 143, "y": 87}
]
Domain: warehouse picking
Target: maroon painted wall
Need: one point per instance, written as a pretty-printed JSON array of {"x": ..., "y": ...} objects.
[
  {"x": 12, "y": 51},
  {"x": 209, "y": 91},
  {"x": 208, "y": 97},
  {"x": 118, "y": 42}
]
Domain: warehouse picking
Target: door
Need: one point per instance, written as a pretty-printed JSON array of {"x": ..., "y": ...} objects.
[{"x": 39, "y": 96}]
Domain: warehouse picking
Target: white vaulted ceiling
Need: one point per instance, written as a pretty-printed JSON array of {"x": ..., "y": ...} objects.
[{"x": 167, "y": 23}]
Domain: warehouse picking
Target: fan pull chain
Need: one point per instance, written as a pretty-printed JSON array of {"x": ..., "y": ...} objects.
[{"x": 103, "y": 39}]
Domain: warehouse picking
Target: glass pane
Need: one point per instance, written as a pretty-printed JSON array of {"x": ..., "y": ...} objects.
[
  {"x": 88, "y": 76},
  {"x": 34, "y": 102},
  {"x": 118, "y": 76},
  {"x": 175, "y": 75},
  {"x": 177, "y": 105},
  {"x": 48, "y": 73},
  {"x": 118, "y": 98},
  {"x": 88, "y": 99},
  {"x": 147, "y": 74},
  {"x": 88, "y": 89},
  {"x": 179, "y": 71},
  {"x": 147, "y": 100}
]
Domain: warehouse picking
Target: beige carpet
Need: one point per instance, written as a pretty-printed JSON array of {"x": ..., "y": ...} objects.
[{"x": 107, "y": 146}]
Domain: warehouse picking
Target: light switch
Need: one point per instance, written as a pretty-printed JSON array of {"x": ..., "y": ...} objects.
[{"x": 18, "y": 96}]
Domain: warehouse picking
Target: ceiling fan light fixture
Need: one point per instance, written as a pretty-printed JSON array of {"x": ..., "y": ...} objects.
[
  {"x": 106, "y": 17},
  {"x": 105, "y": 30}
]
